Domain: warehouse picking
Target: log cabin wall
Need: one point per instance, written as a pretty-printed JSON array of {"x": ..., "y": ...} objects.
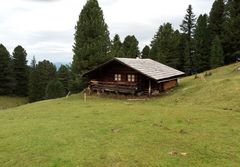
[
  {"x": 169, "y": 84},
  {"x": 132, "y": 76},
  {"x": 107, "y": 73}
]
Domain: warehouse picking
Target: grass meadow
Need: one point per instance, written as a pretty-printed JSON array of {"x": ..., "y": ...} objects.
[
  {"x": 197, "y": 124},
  {"x": 8, "y": 102}
]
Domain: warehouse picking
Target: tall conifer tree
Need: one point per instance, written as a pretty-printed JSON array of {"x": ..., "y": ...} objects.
[
  {"x": 165, "y": 46},
  {"x": 216, "y": 19},
  {"x": 231, "y": 35},
  {"x": 20, "y": 70},
  {"x": 92, "y": 42},
  {"x": 117, "y": 47},
  {"x": 130, "y": 47},
  {"x": 6, "y": 74},
  {"x": 188, "y": 23},
  {"x": 202, "y": 43},
  {"x": 187, "y": 28},
  {"x": 41, "y": 75},
  {"x": 217, "y": 57},
  {"x": 145, "y": 52},
  {"x": 63, "y": 75}
]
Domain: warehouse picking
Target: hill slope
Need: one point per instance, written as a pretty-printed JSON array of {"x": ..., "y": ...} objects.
[
  {"x": 201, "y": 118},
  {"x": 8, "y": 102}
]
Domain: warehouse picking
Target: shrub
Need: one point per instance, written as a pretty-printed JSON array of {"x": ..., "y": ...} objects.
[{"x": 55, "y": 89}]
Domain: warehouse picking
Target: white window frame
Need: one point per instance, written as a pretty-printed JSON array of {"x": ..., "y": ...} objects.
[
  {"x": 131, "y": 78},
  {"x": 117, "y": 77}
]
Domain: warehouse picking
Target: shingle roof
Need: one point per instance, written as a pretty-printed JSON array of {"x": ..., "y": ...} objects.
[
  {"x": 147, "y": 67},
  {"x": 151, "y": 68}
]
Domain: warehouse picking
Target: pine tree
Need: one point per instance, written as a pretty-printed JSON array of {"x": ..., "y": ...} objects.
[
  {"x": 6, "y": 78},
  {"x": 117, "y": 47},
  {"x": 216, "y": 19},
  {"x": 231, "y": 35},
  {"x": 217, "y": 57},
  {"x": 39, "y": 78},
  {"x": 188, "y": 23},
  {"x": 64, "y": 77},
  {"x": 145, "y": 52},
  {"x": 20, "y": 70},
  {"x": 92, "y": 41},
  {"x": 202, "y": 43},
  {"x": 130, "y": 47},
  {"x": 187, "y": 28},
  {"x": 165, "y": 45}
]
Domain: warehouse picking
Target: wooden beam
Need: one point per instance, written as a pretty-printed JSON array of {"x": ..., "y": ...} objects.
[{"x": 149, "y": 87}]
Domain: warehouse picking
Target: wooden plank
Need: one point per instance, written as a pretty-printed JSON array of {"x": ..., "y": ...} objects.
[{"x": 149, "y": 87}]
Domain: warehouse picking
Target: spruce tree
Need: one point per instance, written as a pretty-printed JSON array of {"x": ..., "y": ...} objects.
[
  {"x": 145, "y": 52},
  {"x": 202, "y": 43},
  {"x": 63, "y": 75},
  {"x": 231, "y": 35},
  {"x": 165, "y": 45},
  {"x": 117, "y": 47},
  {"x": 216, "y": 19},
  {"x": 43, "y": 73},
  {"x": 92, "y": 42},
  {"x": 20, "y": 70},
  {"x": 130, "y": 47},
  {"x": 6, "y": 74},
  {"x": 187, "y": 28},
  {"x": 217, "y": 57},
  {"x": 188, "y": 23}
]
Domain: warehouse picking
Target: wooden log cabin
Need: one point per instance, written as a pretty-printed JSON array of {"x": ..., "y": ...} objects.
[{"x": 133, "y": 76}]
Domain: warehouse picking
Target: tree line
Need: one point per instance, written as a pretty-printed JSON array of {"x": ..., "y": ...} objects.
[
  {"x": 201, "y": 43},
  {"x": 37, "y": 81}
]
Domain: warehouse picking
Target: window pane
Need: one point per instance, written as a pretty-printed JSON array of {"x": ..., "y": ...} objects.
[
  {"x": 119, "y": 77},
  {"x": 133, "y": 78},
  {"x": 129, "y": 78}
]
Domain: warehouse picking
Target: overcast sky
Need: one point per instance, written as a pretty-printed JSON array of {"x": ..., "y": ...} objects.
[{"x": 45, "y": 28}]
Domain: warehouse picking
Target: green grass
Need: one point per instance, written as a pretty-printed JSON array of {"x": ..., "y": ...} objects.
[
  {"x": 199, "y": 118},
  {"x": 8, "y": 102}
]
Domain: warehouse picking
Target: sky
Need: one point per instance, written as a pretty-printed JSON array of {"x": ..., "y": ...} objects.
[{"x": 45, "y": 28}]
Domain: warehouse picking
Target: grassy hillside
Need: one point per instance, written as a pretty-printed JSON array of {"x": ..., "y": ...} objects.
[
  {"x": 8, "y": 102},
  {"x": 200, "y": 118}
]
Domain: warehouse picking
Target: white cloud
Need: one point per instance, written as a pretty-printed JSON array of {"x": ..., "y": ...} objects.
[{"x": 45, "y": 28}]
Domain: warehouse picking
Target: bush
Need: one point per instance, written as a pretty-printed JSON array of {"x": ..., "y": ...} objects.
[
  {"x": 77, "y": 83},
  {"x": 55, "y": 89}
]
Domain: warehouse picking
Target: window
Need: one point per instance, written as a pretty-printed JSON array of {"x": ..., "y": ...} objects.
[
  {"x": 131, "y": 78},
  {"x": 117, "y": 77}
]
